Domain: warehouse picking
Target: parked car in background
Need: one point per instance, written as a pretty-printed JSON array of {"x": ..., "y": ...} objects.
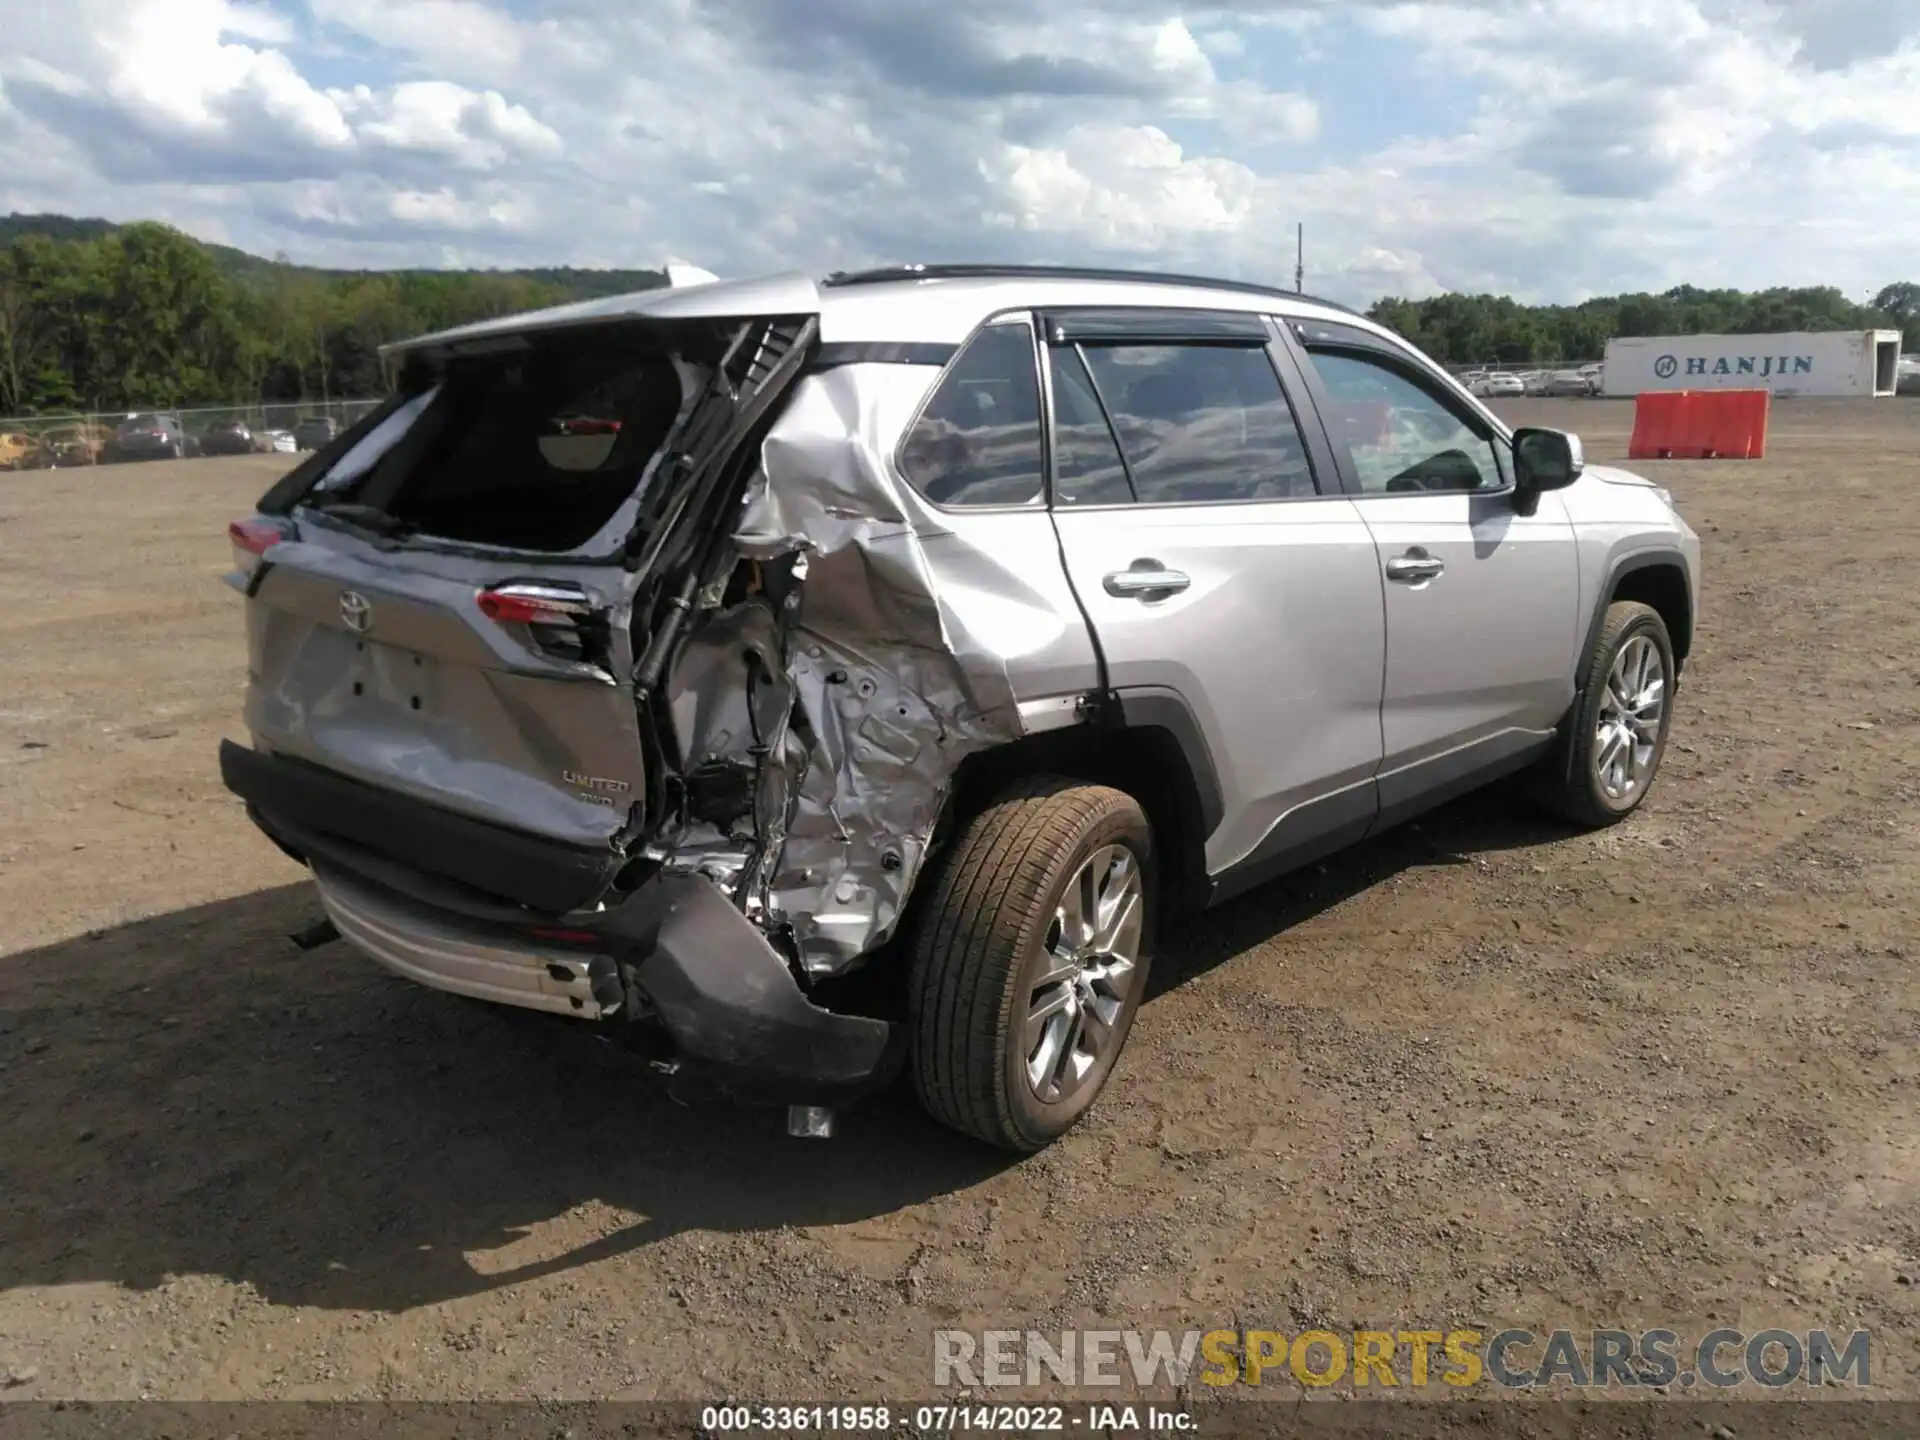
[
  {"x": 316, "y": 433},
  {"x": 277, "y": 442},
  {"x": 152, "y": 437},
  {"x": 228, "y": 437},
  {"x": 70, "y": 445},
  {"x": 913, "y": 664},
  {"x": 1500, "y": 382},
  {"x": 1569, "y": 382},
  {"x": 1907, "y": 376}
]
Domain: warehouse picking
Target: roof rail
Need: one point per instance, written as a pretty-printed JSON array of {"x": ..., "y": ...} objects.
[{"x": 885, "y": 273}]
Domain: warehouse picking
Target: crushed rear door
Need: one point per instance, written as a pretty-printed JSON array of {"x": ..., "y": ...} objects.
[{"x": 470, "y": 598}]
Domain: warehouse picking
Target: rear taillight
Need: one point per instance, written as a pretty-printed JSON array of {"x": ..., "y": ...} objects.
[
  {"x": 252, "y": 538},
  {"x": 532, "y": 605},
  {"x": 560, "y": 620}
]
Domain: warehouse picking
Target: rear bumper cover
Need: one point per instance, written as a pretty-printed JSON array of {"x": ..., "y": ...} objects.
[
  {"x": 730, "y": 1002},
  {"x": 541, "y": 874},
  {"x": 676, "y": 947}
]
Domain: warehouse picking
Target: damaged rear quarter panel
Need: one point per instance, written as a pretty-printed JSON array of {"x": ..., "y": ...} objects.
[{"x": 916, "y": 635}]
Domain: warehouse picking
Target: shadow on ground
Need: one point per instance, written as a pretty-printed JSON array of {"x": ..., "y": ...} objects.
[
  {"x": 1499, "y": 818},
  {"x": 189, "y": 1094}
]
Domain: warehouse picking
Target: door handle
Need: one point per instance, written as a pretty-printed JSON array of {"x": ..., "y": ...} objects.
[
  {"x": 1414, "y": 567},
  {"x": 1145, "y": 580}
]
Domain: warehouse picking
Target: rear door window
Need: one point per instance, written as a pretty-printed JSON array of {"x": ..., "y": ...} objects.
[
  {"x": 1200, "y": 422},
  {"x": 1087, "y": 468},
  {"x": 977, "y": 442}
]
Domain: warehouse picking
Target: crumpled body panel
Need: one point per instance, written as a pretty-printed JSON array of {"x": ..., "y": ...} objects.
[{"x": 894, "y": 688}]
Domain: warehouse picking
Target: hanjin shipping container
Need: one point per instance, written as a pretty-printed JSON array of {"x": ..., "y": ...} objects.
[{"x": 1834, "y": 362}]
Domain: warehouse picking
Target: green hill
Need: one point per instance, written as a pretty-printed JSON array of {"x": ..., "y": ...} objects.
[
  {"x": 98, "y": 316},
  {"x": 256, "y": 270}
]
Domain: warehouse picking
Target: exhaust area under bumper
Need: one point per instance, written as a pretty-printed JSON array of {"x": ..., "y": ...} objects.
[
  {"x": 441, "y": 953},
  {"x": 677, "y": 954}
]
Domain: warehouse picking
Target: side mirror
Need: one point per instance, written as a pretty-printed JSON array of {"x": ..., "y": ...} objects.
[{"x": 1544, "y": 460}]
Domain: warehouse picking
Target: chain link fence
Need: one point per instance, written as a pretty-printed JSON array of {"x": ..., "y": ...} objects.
[{"x": 41, "y": 442}]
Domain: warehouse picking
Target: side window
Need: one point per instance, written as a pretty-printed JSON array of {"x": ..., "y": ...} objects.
[
  {"x": 978, "y": 440},
  {"x": 1402, "y": 437},
  {"x": 1087, "y": 468},
  {"x": 1201, "y": 422}
]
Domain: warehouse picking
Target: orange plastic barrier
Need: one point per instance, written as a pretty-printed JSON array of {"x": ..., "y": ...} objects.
[{"x": 1700, "y": 425}]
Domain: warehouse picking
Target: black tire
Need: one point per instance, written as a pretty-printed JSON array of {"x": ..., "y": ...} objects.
[
  {"x": 1574, "y": 789},
  {"x": 977, "y": 946}
]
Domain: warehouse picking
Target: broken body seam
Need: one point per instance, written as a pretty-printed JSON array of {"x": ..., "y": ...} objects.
[{"x": 873, "y": 670}]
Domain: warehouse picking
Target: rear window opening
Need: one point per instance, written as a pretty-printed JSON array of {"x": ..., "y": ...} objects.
[{"x": 537, "y": 451}]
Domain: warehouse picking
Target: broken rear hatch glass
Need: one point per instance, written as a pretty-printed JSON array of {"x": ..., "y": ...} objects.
[{"x": 469, "y": 598}]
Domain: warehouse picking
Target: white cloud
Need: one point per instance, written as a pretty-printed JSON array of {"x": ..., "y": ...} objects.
[
  {"x": 1223, "y": 44},
  {"x": 439, "y": 118},
  {"x": 1123, "y": 188},
  {"x": 466, "y": 39},
  {"x": 1585, "y": 147},
  {"x": 447, "y": 211},
  {"x": 169, "y": 66},
  {"x": 168, "y": 91},
  {"x": 257, "y": 22}
]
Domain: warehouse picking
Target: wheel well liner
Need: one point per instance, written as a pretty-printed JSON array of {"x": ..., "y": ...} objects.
[
  {"x": 1154, "y": 753},
  {"x": 1659, "y": 580}
]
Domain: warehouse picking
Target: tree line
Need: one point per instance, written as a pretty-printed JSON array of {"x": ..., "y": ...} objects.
[
  {"x": 97, "y": 317},
  {"x": 1486, "y": 328},
  {"x": 143, "y": 317}
]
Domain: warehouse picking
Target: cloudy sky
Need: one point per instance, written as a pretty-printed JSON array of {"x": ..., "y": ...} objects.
[{"x": 1547, "y": 148}]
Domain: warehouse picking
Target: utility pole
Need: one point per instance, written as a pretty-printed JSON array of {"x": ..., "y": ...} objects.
[{"x": 1300, "y": 260}]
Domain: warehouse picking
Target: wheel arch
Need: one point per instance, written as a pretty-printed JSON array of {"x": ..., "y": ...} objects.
[
  {"x": 1147, "y": 743},
  {"x": 1656, "y": 578}
]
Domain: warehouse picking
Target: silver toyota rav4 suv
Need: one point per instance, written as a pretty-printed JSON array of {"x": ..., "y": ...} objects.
[{"x": 810, "y": 680}]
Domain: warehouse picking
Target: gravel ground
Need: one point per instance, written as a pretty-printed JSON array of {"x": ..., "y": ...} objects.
[{"x": 1482, "y": 1070}]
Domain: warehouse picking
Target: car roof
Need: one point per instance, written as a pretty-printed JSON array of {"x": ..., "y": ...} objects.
[{"x": 902, "y": 304}]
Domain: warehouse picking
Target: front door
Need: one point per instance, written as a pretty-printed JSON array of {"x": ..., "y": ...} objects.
[{"x": 1482, "y": 602}]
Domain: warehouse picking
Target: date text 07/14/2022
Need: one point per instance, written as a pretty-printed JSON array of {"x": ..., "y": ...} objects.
[{"x": 949, "y": 1418}]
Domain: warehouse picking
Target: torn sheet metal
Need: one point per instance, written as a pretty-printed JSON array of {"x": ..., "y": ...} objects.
[
  {"x": 731, "y": 700},
  {"x": 894, "y": 692}
]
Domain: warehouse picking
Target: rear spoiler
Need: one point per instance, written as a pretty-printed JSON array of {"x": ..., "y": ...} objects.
[{"x": 789, "y": 295}]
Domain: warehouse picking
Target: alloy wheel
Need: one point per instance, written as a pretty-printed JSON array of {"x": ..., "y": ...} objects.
[
  {"x": 1086, "y": 974},
  {"x": 1627, "y": 729}
]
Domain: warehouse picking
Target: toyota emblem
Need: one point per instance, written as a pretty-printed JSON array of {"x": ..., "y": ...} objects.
[{"x": 356, "y": 611}]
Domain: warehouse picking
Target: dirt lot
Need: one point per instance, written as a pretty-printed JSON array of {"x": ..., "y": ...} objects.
[{"x": 1480, "y": 1071}]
